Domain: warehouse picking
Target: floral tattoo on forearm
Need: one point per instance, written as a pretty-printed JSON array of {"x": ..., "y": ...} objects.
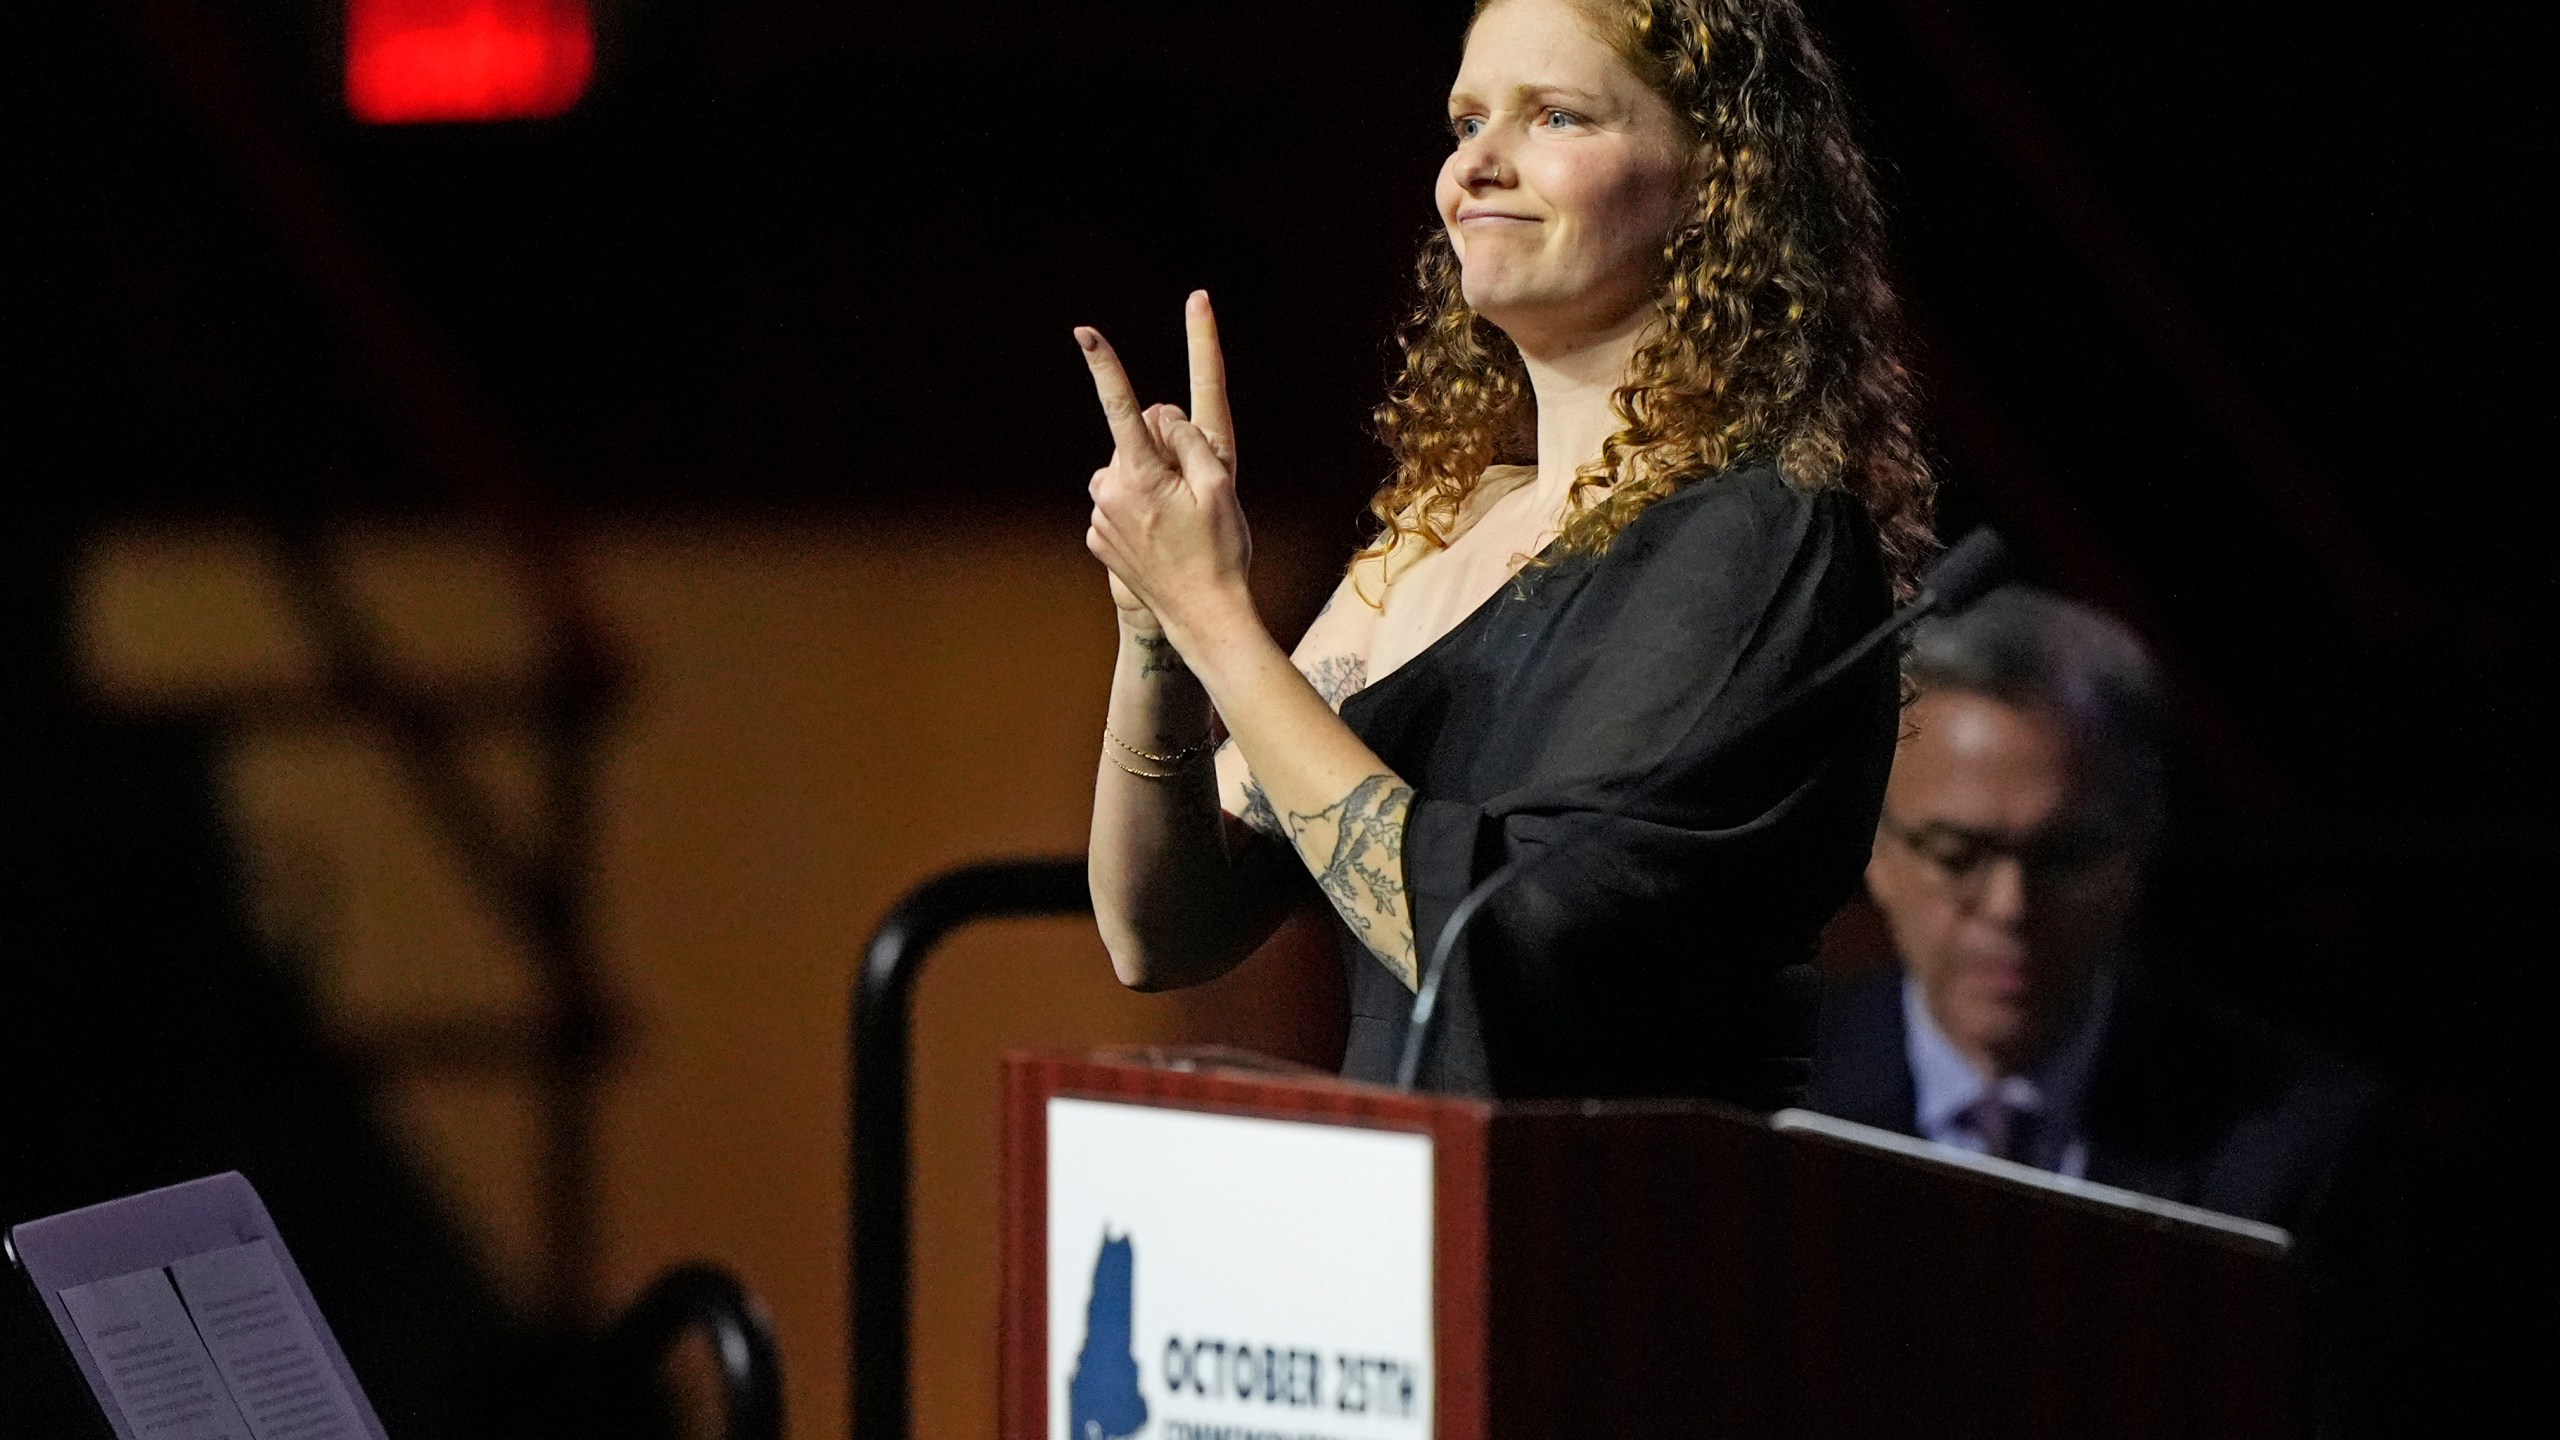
[
  {"x": 1336, "y": 678},
  {"x": 1355, "y": 846}
]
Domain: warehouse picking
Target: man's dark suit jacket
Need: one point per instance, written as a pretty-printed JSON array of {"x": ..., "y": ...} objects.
[
  {"x": 2190, "y": 1105},
  {"x": 2183, "y": 1104}
]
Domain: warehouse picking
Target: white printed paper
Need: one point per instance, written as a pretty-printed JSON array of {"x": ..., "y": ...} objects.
[
  {"x": 263, "y": 1343},
  {"x": 163, "y": 1383}
]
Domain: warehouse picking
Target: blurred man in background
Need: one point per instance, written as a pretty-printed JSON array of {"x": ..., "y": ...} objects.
[{"x": 2025, "y": 800}]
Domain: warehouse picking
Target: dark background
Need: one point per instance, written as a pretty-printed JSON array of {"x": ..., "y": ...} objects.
[{"x": 2231, "y": 315}]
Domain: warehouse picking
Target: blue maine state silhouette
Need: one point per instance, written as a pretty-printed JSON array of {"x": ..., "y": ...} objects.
[{"x": 1103, "y": 1402}]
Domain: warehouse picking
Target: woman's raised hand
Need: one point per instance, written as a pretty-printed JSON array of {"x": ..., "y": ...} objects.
[{"x": 1165, "y": 516}]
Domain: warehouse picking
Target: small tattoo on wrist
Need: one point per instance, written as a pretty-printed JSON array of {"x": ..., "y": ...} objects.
[{"x": 1158, "y": 657}]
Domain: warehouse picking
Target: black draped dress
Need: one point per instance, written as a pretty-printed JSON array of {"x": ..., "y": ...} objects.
[{"x": 1665, "y": 951}]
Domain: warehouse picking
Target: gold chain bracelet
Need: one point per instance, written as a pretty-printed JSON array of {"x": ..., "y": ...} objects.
[
  {"x": 1181, "y": 760},
  {"x": 1128, "y": 769}
]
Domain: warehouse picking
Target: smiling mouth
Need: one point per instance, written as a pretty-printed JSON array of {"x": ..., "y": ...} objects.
[{"x": 1470, "y": 216}]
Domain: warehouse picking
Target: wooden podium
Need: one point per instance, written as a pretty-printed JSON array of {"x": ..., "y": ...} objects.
[{"x": 1592, "y": 1270}]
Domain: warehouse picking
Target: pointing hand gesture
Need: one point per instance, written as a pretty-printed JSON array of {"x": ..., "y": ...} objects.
[{"x": 1165, "y": 516}]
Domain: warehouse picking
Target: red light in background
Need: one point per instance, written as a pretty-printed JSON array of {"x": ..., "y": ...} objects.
[{"x": 412, "y": 61}]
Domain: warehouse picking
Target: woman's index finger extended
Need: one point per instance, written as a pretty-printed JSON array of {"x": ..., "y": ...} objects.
[
  {"x": 1209, "y": 376},
  {"x": 1119, "y": 400}
]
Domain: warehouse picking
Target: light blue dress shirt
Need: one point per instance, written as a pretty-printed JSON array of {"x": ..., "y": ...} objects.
[{"x": 1949, "y": 1092}]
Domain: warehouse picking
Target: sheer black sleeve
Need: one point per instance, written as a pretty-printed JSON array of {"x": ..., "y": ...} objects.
[{"x": 1589, "y": 728}]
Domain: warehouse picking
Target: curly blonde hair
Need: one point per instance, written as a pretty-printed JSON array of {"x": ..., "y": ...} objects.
[{"x": 1775, "y": 334}]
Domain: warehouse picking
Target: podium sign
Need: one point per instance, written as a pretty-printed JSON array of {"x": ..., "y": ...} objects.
[
  {"x": 1197, "y": 1251},
  {"x": 1217, "y": 1276}
]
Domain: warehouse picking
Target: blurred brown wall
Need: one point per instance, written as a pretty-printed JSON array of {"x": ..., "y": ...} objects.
[{"x": 821, "y": 715}]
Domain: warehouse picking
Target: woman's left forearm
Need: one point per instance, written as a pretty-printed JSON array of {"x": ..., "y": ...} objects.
[
  {"x": 1337, "y": 802},
  {"x": 1166, "y": 520}
]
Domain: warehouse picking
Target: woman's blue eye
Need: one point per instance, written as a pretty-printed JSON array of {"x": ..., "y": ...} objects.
[
  {"x": 1557, "y": 119},
  {"x": 1467, "y": 127}
]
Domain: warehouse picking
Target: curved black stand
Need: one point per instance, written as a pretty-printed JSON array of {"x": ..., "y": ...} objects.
[
  {"x": 883, "y": 1058},
  {"x": 710, "y": 1299}
]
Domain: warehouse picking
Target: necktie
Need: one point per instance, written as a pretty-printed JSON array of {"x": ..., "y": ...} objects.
[
  {"x": 2007, "y": 1131},
  {"x": 1993, "y": 1120}
]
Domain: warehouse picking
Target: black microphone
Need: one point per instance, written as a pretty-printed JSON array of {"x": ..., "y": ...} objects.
[{"x": 1961, "y": 576}]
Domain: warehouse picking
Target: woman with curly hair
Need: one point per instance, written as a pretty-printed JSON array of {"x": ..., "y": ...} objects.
[{"x": 1654, "y": 466}]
